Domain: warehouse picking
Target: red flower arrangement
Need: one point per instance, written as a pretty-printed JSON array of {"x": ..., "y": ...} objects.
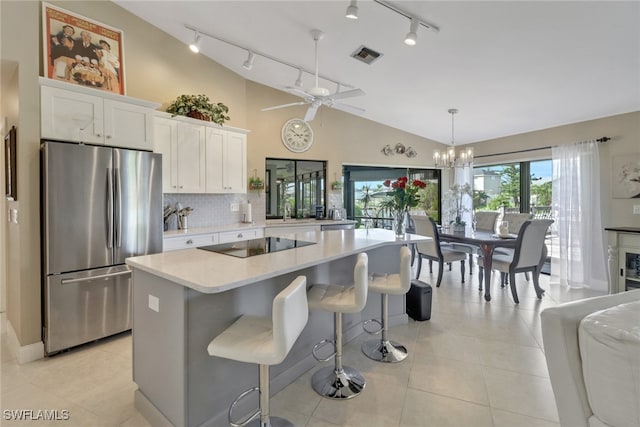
[{"x": 404, "y": 194}]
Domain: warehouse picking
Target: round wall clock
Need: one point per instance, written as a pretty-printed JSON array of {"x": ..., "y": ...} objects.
[{"x": 297, "y": 135}]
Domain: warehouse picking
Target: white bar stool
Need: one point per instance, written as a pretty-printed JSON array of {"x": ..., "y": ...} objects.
[
  {"x": 384, "y": 350},
  {"x": 265, "y": 342},
  {"x": 339, "y": 382}
]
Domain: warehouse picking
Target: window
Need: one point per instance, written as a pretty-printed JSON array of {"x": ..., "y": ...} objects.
[
  {"x": 501, "y": 187},
  {"x": 295, "y": 186},
  {"x": 364, "y": 191}
]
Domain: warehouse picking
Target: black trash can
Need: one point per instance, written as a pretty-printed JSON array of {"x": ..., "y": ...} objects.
[{"x": 419, "y": 300}]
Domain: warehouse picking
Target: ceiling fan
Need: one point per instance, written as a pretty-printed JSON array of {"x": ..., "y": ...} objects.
[{"x": 317, "y": 96}]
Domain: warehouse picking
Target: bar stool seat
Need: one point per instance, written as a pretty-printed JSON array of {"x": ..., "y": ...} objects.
[
  {"x": 265, "y": 342},
  {"x": 339, "y": 382},
  {"x": 384, "y": 350}
]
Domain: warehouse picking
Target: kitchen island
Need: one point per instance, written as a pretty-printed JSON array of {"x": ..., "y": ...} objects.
[{"x": 183, "y": 299}]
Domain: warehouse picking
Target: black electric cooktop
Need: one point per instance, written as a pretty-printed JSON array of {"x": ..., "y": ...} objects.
[{"x": 263, "y": 245}]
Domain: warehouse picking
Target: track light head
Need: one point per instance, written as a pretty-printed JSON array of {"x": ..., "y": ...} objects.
[
  {"x": 248, "y": 64},
  {"x": 195, "y": 46},
  {"x": 298, "y": 82},
  {"x": 412, "y": 36},
  {"x": 352, "y": 10}
]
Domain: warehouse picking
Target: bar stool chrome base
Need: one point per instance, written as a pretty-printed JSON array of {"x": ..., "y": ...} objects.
[
  {"x": 384, "y": 351},
  {"x": 274, "y": 422},
  {"x": 343, "y": 384}
]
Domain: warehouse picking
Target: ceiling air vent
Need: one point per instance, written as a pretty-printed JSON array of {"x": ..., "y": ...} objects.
[{"x": 366, "y": 55}]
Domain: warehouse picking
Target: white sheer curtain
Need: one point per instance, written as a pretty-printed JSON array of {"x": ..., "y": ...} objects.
[
  {"x": 464, "y": 175},
  {"x": 580, "y": 261}
]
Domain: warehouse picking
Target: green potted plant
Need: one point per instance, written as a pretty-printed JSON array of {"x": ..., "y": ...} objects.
[
  {"x": 199, "y": 107},
  {"x": 256, "y": 183},
  {"x": 336, "y": 185}
]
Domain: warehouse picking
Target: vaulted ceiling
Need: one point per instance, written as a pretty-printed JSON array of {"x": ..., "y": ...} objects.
[{"x": 508, "y": 67}]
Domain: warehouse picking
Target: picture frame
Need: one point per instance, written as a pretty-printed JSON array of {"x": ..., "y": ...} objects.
[
  {"x": 625, "y": 182},
  {"x": 82, "y": 51},
  {"x": 10, "y": 141}
]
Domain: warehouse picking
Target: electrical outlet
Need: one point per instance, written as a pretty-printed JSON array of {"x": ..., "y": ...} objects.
[
  {"x": 636, "y": 209},
  {"x": 235, "y": 207},
  {"x": 154, "y": 303}
]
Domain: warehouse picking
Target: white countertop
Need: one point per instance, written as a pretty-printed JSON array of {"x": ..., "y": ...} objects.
[
  {"x": 243, "y": 226},
  {"x": 210, "y": 272}
]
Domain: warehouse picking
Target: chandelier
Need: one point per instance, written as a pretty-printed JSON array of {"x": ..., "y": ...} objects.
[{"x": 449, "y": 158}]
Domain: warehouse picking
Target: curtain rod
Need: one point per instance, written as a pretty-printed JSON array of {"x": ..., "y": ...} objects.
[{"x": 600, "y": 140}]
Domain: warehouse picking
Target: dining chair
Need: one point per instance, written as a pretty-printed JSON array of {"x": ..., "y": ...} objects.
[
  {"x": 426, "y": 226},
  {"x": 528, "y": 255},
  {"x": 515, "y": 223},
  {"x": 516, "y": 220},
  {"x": 485, "y": 221}
]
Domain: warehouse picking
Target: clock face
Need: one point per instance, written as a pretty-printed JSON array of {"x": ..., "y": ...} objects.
[{"x": 297, "y": 135}]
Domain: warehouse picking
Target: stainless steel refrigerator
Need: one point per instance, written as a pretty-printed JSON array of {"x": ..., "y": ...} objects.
[{"x": 100, "y": 205}]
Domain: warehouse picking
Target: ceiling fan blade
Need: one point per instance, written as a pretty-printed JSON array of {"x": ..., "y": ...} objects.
[
  {"x": 283, "y": 106},
  {"x": 347, "y": 94},
  {"x": 347, "y": 108},
  {"x": 311, "y": 111}
]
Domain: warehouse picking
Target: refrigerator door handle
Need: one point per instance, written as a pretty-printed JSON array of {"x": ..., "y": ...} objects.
[
  {"x": 109, "y": 209},
  {"x": 118, "y": 210},
  {"x": 96, "y": 277}
]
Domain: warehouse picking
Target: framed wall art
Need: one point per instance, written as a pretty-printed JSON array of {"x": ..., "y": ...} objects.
[
  {"x": 626, "y": 176},
  {"x": 82, "y": 51}
]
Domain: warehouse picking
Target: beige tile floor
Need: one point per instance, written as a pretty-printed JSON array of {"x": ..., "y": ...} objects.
[{"x": 473, "y": 364}]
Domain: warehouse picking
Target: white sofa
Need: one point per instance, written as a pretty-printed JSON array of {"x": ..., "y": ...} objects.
[{"x": 594, "y": 365}]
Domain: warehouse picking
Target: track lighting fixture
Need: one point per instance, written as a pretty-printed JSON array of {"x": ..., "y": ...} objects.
[
  {"x": 352, "y": 10},
  {"x": 195, "y": 46},
  {"x": 252, "y": 53},
  {"x": 298, "y": 82},
  {"x": 412, "y": 36},
  {"x": 248, "y": 64}
]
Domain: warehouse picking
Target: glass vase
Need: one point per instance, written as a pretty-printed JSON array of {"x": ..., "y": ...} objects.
[{"x": 400, "y": 224}]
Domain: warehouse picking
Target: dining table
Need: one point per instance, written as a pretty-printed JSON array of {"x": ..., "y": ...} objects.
[{"x": 487, "y": 241}]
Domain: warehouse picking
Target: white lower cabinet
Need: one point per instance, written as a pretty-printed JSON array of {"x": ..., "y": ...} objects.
[
  {"x": 175, "y": 243},
  {"x": 292, "y": 229},
  {"x": 239, "y": 235}
]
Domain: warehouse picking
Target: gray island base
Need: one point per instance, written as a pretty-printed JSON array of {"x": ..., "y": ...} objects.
[{"x": 183, "y": 299}]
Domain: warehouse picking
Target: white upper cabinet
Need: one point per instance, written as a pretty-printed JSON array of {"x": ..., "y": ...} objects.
[
  {"x": 226, "y": 161},
  {"x": 74, "y": 113},
  {"x": 182, "y": 146}
]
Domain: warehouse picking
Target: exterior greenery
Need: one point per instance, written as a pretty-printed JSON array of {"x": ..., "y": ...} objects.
[{"x": 186, "y": 105}]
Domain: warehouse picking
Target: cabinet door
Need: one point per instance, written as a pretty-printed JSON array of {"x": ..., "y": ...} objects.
[
  {"x": 191, "y": 158},
  {"x": 71, "y": 116},
  {"x": 235, "y": 163},
  {"x": 166, "y": 143},
  {"x": 226, "y": 161},
  {"x": 128, "y": 125},
  {"x": 214, "y": 161}
]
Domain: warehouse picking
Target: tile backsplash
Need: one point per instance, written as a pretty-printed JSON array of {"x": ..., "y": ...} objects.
[{"x": 212, "y": 210}]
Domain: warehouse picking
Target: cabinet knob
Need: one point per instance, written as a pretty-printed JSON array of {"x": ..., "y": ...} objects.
[
  {"x": 181, "y": 186},
  {"x": 98, "y": 135},
  {"x": 173, "y": 186},
  {"x": 108, "y": 137},
  {"x": 240, "y": 235},
  {"x": 189, "y": 242}
]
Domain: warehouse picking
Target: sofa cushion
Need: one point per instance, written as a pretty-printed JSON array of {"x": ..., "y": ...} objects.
[{"x": 610, "y": 351}]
